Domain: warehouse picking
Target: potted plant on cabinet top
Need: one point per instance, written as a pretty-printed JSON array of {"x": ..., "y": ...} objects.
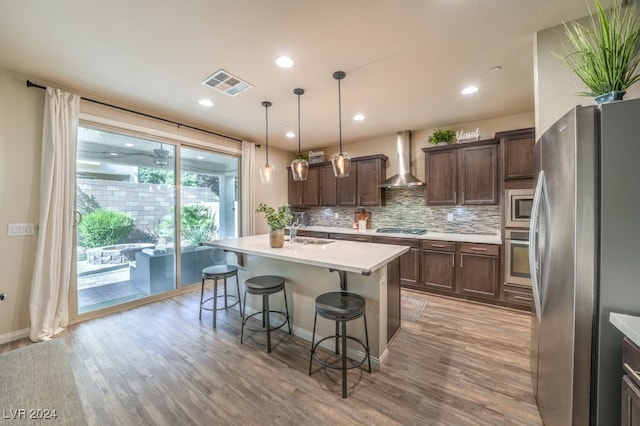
[
  {"x": 277, "y": 221},
  {"x": 442, "y": 137},
  {"x": 606, "y": 56}
]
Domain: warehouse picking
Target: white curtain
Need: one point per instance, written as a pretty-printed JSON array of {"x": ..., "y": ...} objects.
[
  {"x": 248, "y": 188},
  {"x": 48, "y": 307}
]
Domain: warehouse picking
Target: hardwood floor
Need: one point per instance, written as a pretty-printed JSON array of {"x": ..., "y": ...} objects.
[{"x": 459, "y": 364}]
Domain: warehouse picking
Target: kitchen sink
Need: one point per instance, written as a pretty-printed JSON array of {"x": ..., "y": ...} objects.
[{"x": 317, "y": 241}]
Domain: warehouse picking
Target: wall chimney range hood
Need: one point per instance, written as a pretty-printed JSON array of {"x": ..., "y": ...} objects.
[{"x": 403, "y": 178}]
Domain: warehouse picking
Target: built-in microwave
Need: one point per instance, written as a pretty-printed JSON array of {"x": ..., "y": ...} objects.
[{"x": 518, "y": 204}]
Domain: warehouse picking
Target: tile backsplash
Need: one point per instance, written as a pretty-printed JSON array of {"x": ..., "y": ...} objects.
[{"x": 405, "y": 208}]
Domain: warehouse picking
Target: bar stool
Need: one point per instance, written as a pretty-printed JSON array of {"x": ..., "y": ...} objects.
[
  {"x": 219, "y": 271},
  {"x": 264, "y": 286},
  {"x": 341, "y": 307}
]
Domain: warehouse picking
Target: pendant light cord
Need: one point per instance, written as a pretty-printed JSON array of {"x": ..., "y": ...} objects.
[
  {"x": 266, "y": 106},
  {"x": 299, "y": 154},
  {"x": 340, "y": 114}
]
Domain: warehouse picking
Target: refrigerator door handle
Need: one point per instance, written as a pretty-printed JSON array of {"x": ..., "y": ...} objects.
[{"x": 533, "y": 237}]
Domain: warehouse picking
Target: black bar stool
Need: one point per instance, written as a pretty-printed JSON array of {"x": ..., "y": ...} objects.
[
  {"x": 341, "y": 307},
  {"x": 219, "y": 271},
  {"x": 264, "y": 286}
]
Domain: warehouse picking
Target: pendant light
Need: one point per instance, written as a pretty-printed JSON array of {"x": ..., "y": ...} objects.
[
  {"x": 267, "y": 171},
  {"x": 340, "y": 161},
  {"x": 299, "y": 166}
]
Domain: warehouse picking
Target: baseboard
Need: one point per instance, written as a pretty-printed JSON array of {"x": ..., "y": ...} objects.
[{"x": 14, "y": 335}]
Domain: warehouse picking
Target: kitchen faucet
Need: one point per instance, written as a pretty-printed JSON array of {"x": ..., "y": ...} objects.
[{"x": 293, "y": 230}]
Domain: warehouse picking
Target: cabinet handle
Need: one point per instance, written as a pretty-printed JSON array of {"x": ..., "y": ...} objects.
[
  {"x": 631, "y": 372},
  {"x": 462, "y": 196},
  {"x": 478, "y": 248},
  {"x": 455, "y": 196},
  {"x": 438, "y": 245},
  {"x": 453, "y": 260},
  {"x": 460, "y": 260},
  {"x": 528, "y": 299}
]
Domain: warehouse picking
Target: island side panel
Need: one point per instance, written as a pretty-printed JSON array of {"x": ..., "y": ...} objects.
[
  {"x": 305, "y": 282},
  {"x": 393, "y": 298}
]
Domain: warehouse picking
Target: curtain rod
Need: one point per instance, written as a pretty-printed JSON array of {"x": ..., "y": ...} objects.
[{"x": 31, "y": 84}]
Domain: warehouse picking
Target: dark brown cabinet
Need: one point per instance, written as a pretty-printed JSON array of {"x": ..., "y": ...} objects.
[
  {"x": 479, "y": 270},
  {"x": 465, "y": 174},
  {"x": 322, "y": 188},
  {"x": 517, "y": 151},
  {"x": 327, "y": 186},
  {"x": 437, "y": 265},
  {"x": 409, "y": 261},
  {"x": 352, "y": 237},
  {"x": 360, "y": 188},
  {"x": 630, "y": 401},
  {"x": 461, "y": 269}
]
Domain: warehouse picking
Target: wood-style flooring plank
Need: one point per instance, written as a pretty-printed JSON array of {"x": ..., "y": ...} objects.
[{"x": 460, "y": 363}]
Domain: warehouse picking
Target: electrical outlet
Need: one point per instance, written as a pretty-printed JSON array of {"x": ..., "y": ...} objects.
[
  {"x": 336, "y": 215},
  {"x": 449, "y": 217}
]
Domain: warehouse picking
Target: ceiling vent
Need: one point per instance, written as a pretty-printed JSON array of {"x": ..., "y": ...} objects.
[{"x": 226, "y": 83}]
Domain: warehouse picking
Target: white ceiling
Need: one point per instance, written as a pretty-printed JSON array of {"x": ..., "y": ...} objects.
[{"x": 405, "y": 60}]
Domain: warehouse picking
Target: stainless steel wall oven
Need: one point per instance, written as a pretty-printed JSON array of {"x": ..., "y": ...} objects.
[{"x": 517, "y": 270}]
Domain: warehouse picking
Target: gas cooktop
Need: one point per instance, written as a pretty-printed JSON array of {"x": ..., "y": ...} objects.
[{"x": 412, "y": 231}]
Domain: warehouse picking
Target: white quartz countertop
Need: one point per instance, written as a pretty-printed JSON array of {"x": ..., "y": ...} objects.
[
  {"x": 441, "y": 236},
  {"x": 628, "y": 324},
  {"x": 349, "y": 256}
]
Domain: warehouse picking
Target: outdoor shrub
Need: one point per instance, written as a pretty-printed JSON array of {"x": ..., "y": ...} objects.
[
  {"x": 105, "y": 228},
  {"x": 195, "y": 223}
]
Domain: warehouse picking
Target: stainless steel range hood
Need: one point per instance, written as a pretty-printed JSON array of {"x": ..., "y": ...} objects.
[{"x": 403, "y": 178}]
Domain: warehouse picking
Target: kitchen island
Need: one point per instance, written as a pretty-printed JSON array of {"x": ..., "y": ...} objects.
[{"x": 315, "y": 266}]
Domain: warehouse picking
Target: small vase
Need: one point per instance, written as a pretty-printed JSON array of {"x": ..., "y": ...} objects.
[
  {"x": 276, "y": 238},
  {"x": 610, "y": 97}
]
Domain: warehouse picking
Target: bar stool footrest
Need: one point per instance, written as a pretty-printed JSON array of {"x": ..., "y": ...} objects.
[
  {"x": 229, "y": 296},
  {"x": 339, "y": 367},
  {"x": 263, "y": 329}
]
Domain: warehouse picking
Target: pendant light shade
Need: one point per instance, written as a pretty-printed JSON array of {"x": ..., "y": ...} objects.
[
  {"x": 299, "y": 166},
  {"x": 267, "y": 171},
  {"x": 340, "y": 161}
]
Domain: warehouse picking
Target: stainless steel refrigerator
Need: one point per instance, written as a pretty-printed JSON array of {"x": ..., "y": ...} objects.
[{"x": 585, "y": 260}]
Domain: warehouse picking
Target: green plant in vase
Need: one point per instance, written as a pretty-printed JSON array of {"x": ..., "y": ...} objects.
[
  {"x": 605, "y": 55},
  {"x": 277, "y": 220},
  {"x": 442, "y": 137}
]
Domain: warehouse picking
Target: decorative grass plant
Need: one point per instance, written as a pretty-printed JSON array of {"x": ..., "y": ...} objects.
[
  {"x": 606, "y": 56},
  {"x": 442, "y": 135}
]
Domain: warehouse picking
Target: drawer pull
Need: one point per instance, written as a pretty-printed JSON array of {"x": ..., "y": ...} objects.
[
  {"x": 631, "y": 372},
  {"x": 478, "y": 248},
  {"x": 438, "y": 245},
  {"x": 528, "y": 299}
]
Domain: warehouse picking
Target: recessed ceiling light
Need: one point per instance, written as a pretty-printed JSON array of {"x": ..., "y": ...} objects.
[
  {"x": 290, "y": 134},
  {"x": 128, "y": 144},
  {"x": 469, "y": 90},
  {"x": 113, "y": 154},
  {"x": 284, "y": 62},
  {"x": 205, "y": 102},
  {"x": 88, "y": 162},
  {"x": 200, "y": 157},
  {"x": 358, "y": 117}
]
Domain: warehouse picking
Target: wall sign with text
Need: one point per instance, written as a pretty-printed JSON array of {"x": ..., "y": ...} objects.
[{"x": 468, "y": 135}]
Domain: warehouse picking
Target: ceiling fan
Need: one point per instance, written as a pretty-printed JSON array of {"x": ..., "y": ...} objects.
[{"x": 160, "y": 156}]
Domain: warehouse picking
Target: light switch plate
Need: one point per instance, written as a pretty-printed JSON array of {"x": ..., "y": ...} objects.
[{"x": 17, "y": 229}]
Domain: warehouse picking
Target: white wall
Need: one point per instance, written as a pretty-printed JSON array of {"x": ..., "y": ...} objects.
[
  {"x": 21, "y": 111},
  {"x": 555, "y": 85}
]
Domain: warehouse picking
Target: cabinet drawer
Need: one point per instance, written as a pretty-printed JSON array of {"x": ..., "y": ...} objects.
[
  {"x": 352, "y": 237},
  {"x": 397, "y": 241},
  {"x": 520, "y": 297},
  {"x": 312, "y": 234},
  {"x": 438, "y": 245},
  {"x": 631, "y": 360},
  {"x": 480, "y": 249}
]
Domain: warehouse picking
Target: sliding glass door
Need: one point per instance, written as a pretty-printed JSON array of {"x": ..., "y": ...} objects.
[{"x": 127, "y": 245}]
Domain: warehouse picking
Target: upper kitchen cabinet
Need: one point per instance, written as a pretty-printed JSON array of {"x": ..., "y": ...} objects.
[
  {"x": 464, "y": 174},
  {"x": 360, "y": 188},
  {"x": 304, "y": 193},
  {"x": 517, "y": 150},
  {"x": 327, "y": 186}
]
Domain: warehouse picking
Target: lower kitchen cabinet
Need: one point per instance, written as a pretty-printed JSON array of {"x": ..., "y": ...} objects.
[
  {"x": 352, "y": 237},
  {"x": 437, "y": 265},
  {"x": 409, "y": 262},
  {"x": 630, "y": 401},
  {"x": 479, "y": 271},
  {"x": 461, "y": 269},
  {"x": 517, "y": 295}
]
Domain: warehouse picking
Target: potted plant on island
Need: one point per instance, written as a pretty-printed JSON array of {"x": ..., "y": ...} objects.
[
  {"x": 606, "y": 56},
  {"x": 442, "y": 137},
  {"x": 277, "y": 220}
]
